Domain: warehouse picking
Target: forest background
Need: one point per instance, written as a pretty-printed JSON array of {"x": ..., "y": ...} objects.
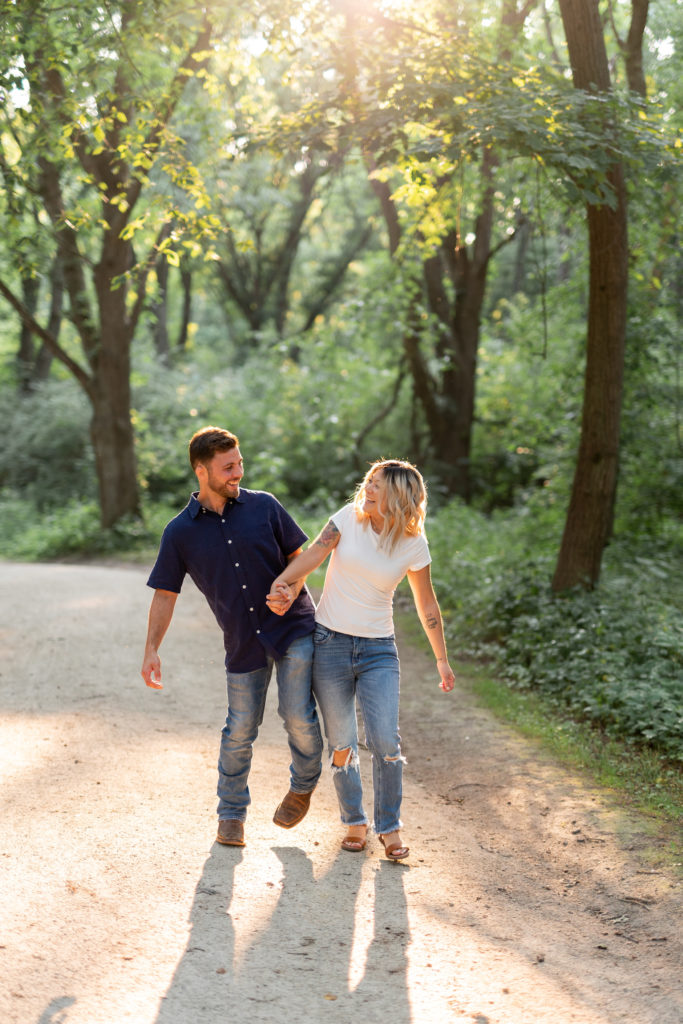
[{"x": 344, "y": 230}]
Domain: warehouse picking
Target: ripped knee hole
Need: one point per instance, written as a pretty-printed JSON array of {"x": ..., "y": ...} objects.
[{"x": 342, "y": 758}]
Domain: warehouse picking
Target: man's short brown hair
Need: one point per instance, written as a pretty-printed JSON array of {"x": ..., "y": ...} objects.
[{"x": 207, "y": 441}]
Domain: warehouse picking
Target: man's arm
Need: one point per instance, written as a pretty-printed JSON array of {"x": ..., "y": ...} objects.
[{"x": 160, "y": 615}]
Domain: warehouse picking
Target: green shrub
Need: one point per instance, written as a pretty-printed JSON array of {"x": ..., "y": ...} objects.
[
  {"x": 613, "y": 656},
  {"x": 74, "y": 531},
  {"x": 47, "y": 457}
]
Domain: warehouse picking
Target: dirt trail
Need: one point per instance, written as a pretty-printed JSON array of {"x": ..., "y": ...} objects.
[{"x": 526, "y": 900}]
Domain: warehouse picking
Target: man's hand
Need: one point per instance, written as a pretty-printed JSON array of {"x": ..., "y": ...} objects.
[
  {"x": 160, "y": 615},
  {"x": 280, "y": 598},
  {"x": 151, "y": 670}
]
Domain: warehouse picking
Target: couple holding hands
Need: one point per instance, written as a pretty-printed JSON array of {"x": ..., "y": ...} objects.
[{"x": 244, "y": 553}]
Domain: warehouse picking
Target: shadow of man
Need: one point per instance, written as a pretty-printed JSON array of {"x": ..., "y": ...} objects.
[
  {"x": 56, "y": 1012},
  {"x": 196, "y": 993}
]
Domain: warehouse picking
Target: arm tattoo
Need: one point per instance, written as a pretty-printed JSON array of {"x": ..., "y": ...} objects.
[
  {"x": 432, "y": 621},
  {"x": 329, "y": 536}
]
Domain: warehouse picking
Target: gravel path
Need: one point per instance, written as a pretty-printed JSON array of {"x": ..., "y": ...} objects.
[{"x": 528, "y": 898}]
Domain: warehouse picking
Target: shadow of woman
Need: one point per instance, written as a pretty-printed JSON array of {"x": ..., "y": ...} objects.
[
  {"x": 298, "y": 967},
  {"x": 383, "y": 987}
]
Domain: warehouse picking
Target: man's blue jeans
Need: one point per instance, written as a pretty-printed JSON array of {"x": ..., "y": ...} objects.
[
  {"x": 349, "y": 667},
  {"x": 246, "y": 704}
]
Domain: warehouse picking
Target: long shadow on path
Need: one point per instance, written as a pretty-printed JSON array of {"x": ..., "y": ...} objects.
[{"x": 270, "y": 942}]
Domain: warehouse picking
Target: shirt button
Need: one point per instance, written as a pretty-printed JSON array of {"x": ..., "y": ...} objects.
[
  {"x": 258, "y": 630},
  {"x": 237, "y": 564},
  {"x": 222, "y": 520},
  {"x": 244, "y": 586},
  {"x": 229, "y": 542},
  {"x": 251, "y": 609}
]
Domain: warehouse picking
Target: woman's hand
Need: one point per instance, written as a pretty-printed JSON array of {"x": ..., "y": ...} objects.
[
  {"x": 280, "y": 598},
  {"x": 447, "y": 675}
]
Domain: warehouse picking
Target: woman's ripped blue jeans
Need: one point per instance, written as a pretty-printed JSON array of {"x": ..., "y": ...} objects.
[{"x": 347, "y": 669}]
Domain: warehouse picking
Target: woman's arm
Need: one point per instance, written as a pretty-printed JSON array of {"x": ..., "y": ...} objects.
[
  {"x": 430, "y": 616},
  {"x": 300, "y": 566}
]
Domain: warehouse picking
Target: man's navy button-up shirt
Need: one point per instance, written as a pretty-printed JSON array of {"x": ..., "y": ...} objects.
[{"x": 233, "y": 559}]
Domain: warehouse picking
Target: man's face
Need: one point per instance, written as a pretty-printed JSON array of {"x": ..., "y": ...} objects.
[{"x": 224, "y": 473}]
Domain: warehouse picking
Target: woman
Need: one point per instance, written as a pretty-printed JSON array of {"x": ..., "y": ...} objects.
[{"x": 375, "y": 542}]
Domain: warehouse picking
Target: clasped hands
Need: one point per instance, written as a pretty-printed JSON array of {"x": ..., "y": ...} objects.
[{"x": 280, "y": 598}]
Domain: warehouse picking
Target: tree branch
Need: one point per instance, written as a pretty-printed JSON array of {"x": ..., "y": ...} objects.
[
  {"x": 333, "y": 279},
  {"x": 189, "y": 67},
  {"x": 383, "y": 412},
  {"x": 72, "y": 259},
  {"x": 142, "y": 275},
  {"x": 75, "y": 368},
  {"x": 387, "y": 204}
]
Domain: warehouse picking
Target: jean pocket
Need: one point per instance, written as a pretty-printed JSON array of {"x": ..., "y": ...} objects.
[{"x": 321, "y": 634}]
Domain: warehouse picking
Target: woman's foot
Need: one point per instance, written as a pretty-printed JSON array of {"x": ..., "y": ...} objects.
[
  {"x": 393, "y": 848},
  {"x": 355, "y": 839}
]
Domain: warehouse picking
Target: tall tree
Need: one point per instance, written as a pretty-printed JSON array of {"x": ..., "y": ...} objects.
[
  {"x": 96, "y": 119},
  {"x": 446, "y": 264},
  {"x": 591, "y": 507}
]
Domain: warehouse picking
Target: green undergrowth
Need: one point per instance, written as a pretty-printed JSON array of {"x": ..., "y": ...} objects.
[
  {"x": 610, "y": 658},
  {"x": 595, "y": 676},
  {"x": 638, "y": 777},
  {"x": 73, "y": 531}
]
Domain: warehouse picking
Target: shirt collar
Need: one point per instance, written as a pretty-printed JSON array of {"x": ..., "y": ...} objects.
[{"x": 195, "y": 506}]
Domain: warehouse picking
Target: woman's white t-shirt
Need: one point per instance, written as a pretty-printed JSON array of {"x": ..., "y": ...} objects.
[{"x": 361, "y": 578}]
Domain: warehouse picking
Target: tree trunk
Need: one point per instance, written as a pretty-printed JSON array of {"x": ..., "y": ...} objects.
[
  {"x": 449, "y": 409},
  {"x": 521, "y": 252},
  {"x": 111, "y": 433},
  {"x": 591, "y": 507},
  {"x": 632, "y": 46},
  {"x": 186, "y": 280},
  {"x": 30, "y": 289},
  {"x": 160, "y": 311},
  {"x": 45, "y": 355},
  {"x": 111, "y": 429}
]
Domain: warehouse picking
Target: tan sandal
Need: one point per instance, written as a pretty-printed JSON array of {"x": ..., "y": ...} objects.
[
  {"x": 355, "y": 844},
  {"x": 395, "y": 851}
]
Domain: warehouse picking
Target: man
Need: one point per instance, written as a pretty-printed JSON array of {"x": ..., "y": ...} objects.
[{"x": 233, "y": 542}]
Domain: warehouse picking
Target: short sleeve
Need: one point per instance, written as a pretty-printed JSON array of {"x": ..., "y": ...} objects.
[
  {"x": 169, "y": 569},
  {"x": 289, "y": 534},
  {"x": 422, "y": 556},
  {"x": 341, "y": 517}
]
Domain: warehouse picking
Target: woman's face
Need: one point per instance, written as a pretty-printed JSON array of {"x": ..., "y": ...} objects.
[{"x": 375, "y": 504}]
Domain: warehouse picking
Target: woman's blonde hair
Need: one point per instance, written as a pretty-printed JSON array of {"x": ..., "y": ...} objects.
[{"x": 406, "y": 501}]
